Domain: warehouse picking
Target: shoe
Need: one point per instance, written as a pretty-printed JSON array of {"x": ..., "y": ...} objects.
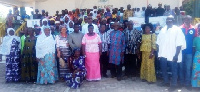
[
  {"x": 143, "y": 80},
  {"x": 105, "y": 75},
  {"x": 164, "y": 84},
  {"x": 172, "y": 88}
]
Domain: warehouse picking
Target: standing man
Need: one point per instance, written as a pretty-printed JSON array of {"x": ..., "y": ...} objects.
[
  {"x": 117, "y": 48},
  {"x": 186, "y": 64},
  {"x": 132, "y": 41},
  {"x": 128, "y": 13},
  {"x": 171, "y": 42},
  {"x": 160, "y": 11},
  {"x": 90, "y": 22},
  {"x": 75, "y": 38}
]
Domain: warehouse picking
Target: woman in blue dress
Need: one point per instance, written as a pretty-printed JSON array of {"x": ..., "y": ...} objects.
[
  {"x": 11, "y": 49},
  {"x": 45, "y": 53},
  {"x": 78, "y": 71}
]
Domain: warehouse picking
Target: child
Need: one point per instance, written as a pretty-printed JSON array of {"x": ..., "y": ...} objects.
[{"x": 78, "y": 71}]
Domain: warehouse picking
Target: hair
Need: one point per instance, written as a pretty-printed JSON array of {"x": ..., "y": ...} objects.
[
  {"x": 90, "y": 26},
  {"x": 76, "y": 24},
  {"x": 145, "y": 25},
  {"x": 188, "y": 16},
  {"x": 62, "y": 27},
  {"x": 102, "y": 25}
]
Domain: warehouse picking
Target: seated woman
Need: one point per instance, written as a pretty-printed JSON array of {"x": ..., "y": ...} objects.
[{"x": 78, "y": 71}]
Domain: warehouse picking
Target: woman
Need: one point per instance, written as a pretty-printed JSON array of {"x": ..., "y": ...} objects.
[
  {"x": 148, "y": 46},
  {"x": 11, "y": 49},
  {"x": 63, "y": 51},
  {"x": 91, "y": 47},
  {"x": 78, "y": 71},
  {"x": 29, "y": 63},
  {"x": 196, "y": 61},
  {"x": 45, "y": 53},
  {"x": 71, "y": 27}
]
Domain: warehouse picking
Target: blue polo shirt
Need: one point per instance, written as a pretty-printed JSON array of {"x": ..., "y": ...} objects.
[{"x": 189, "y": 36}]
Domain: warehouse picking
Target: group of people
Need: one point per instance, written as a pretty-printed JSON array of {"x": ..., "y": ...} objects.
[{"x": 73, "y": 50}]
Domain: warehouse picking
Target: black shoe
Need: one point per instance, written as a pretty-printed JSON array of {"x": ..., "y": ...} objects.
[
  {"x": 164, "y": 84},
  {"x": 105, "y": 75},
  {"x": 119, "y": 78},
  {"x": 172, "y": 88}
]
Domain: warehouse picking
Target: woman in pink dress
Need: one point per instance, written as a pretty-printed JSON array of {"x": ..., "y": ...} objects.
[{"x": 91, "y": 47}]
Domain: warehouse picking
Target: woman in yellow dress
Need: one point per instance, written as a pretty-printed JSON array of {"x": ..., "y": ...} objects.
[{"x": 148, "y": 46}]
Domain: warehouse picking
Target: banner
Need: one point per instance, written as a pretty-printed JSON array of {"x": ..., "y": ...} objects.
[
  {"x": 32, "y": 22},
  {"x": 154, "y": 20}
]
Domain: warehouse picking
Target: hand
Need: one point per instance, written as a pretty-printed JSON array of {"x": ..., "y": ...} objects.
[
  {"x": 151, "y": 56},
  {"x": 122, "y": 54},
  {"x": 100, "y": 53},
  {"x": 107, "y": 53},
  {"x": 58, "y": 54},
  {"x": 175, "y": 58}
]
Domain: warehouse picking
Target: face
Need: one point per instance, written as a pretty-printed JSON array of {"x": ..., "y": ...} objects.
[
  {"x": 187, "y": 21},
  {"x": 76, "y": 28},
  {"x": 86, "y": 19},
  {"x": 169, "y": 22},
  {"x": 129, "y": 7},
  {"x": 89, "y": 19},
  {"x": 63, "y": 30},
  {"x": 47, "y": 32},
  {"x": 130, "y": 25},
  {"x": 77, "y": 53},
  {"x": 116, "y": 26},
  {"x": 71, "y": 24},
  {"x": 90, "y": 29},
  {"x": 45, "y": 23},
  {"x": 147, "y": 29},
  {"x": 102, "y": 28},
  {"x": 66, "y": 19},
  {"x": 11, "y": 32},
  {"x": 95, "y": 21},
  {"x": 37, "y": 31},
  {"x": 159, "y": 5},
  {"x": 30, "y": 32}
]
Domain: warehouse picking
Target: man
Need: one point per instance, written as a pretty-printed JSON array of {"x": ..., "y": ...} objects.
[
  {"x": 143, "y": 11},
  {"x": 128, "y": 13},
  {"x": 37, "y": 15},
  {"x": 148, "y": 13},
  {"x": 75, "y": 38},
  {"x": 108, "y": 14},
  {"x": 94, "y": 12},
  {"x": 168, "y": 11},
  {"x": 104, "y": 56},
  {"x": 90, "y": 22},
  {"x": 160, "y": 11},
  {"x": 138, "y": 13},
  {"x": 186, "y": 64},
  {"x": 171, "y": 41},
  {"x": 133, "y": 39},
  {"x": 116, "y": 51}
]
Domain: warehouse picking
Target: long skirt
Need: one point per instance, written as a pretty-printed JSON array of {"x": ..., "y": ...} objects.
[
  {"x": 92, "y": 66},
  {"x": 76, "y": 80},
  {"x": 47, "y": 70},
  {"x": 13, "y": 63},
  {"x": 196, "y": 70},
  {"x": 147, "y": 71}
]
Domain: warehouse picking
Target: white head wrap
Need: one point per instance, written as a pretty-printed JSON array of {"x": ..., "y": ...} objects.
[
  {"x": 45, "y": 44},
  {"x": 5, "y": 47}
]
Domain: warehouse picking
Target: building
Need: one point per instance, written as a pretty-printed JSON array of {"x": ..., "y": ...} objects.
[{"x": 53, "y": 5}]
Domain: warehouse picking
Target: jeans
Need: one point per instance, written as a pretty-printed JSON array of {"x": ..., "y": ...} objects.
[
  {"x": 173, "y": 67},
  {"x": 185, "y": 68}
]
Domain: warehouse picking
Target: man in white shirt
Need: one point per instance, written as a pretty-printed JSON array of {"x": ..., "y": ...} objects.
[
  {"x": 171, "y": 42},
  {"x": 85, "y": 27},
  {"x": 138, "y": 13}
]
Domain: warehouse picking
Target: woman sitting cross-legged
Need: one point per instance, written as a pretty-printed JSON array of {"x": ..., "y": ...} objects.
[{"x": 78, "y": 71}]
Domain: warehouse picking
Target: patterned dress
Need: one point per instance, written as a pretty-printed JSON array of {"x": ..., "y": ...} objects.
[
  {"x": 75, "y": 82},
  {"x": 61, "y": 43},
  {"x": 47, "y": 69},
  {"x": 196, "y": 64},
  {"x": 117, "y": 45},
  {"x": 13, "y": 63},
  {"x": 147, "y": 71},
  {"x": 29, "y": 63}
]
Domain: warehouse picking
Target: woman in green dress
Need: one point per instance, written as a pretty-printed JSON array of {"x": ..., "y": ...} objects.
[{"x": 29, "y": 63}]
